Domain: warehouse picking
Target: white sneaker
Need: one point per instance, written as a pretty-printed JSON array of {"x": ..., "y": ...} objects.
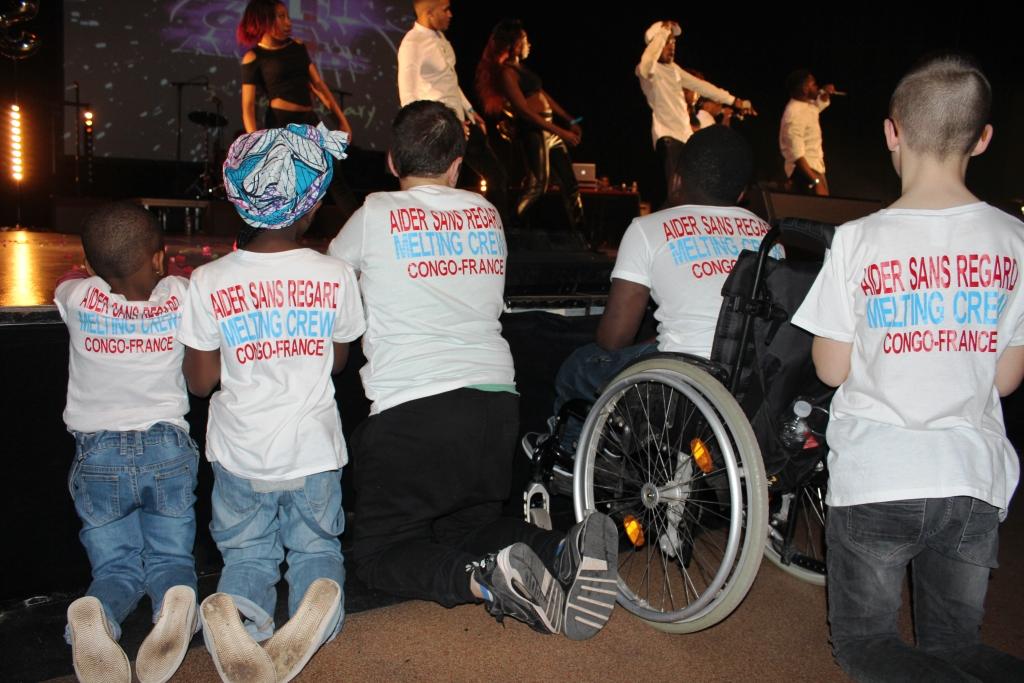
[
  {"x": 293, "y": 645},
  {"x": 96, "y": 655},
  {"x": 238, "y": 658},
  {"x": 164, "y": 648}
]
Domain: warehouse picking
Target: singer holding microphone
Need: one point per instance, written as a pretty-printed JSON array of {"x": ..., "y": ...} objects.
[{"x": 800, "y": 138}]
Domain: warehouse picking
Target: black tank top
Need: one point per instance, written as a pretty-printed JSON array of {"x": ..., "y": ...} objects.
[
  {"x": 529, "y": 82},
  {"x": 281, "y": 73}
]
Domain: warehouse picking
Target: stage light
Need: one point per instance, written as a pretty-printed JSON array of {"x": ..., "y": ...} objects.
[
  {"x": 88, "y": 139},
  {"x": 16, "y": 143}
]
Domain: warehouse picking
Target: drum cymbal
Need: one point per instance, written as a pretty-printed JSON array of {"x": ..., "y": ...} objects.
[{"x": 207, "y": 118}]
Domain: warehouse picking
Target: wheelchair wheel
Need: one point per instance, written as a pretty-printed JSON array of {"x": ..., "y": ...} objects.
[
  {"x": 668, "y": 454},
  {"x": 796, "y": 535}
]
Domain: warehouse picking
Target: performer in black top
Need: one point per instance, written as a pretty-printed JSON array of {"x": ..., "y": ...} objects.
[
  {"x": 506, "y": 85},
  {"x": 280, "y": 65}
]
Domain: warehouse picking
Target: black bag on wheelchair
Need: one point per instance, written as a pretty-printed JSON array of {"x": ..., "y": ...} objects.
[{"x": 773, "y": 369}]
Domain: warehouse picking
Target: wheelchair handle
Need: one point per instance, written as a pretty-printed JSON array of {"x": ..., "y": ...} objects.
[{"x": 816, "y": 232}]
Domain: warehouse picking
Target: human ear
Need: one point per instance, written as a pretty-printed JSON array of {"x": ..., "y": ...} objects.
[
  {"x": 158, "y": 261},
  {"x": 892, "y": 136},
  {"x": 452, "y": 174},
  {"x": 983, "y": 142}
]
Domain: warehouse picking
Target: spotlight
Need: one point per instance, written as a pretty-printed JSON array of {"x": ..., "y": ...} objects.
[{"x": 16, "y": 143}]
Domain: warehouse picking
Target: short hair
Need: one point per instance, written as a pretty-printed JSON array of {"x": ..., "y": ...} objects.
[
  {"x": 716, "y": 164},
  {"x": 258, "y": 18},
  {"x": 941, "y": 105},
  {"x": 119, "y": 238},
  {"x": 426, "y": 137},
  {"x": 795, "y": 82}
]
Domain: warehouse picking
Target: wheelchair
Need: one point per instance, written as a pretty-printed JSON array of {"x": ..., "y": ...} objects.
[{"x": 684, "y": 454}]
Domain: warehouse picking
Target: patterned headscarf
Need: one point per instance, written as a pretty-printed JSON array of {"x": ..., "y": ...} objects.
[{"x": 275, "y": 176}]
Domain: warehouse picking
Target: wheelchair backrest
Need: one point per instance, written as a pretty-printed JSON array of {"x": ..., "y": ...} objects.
[{"x": 769, "y": 358}]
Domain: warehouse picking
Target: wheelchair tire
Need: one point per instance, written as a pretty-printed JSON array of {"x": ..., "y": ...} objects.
[
  {"x": 703, "y": 527},
  {"x": 806, "y": 552}
]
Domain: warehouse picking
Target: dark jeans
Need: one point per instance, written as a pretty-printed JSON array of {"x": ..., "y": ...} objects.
[
  {"x": 544, "y": 153},
  {"x": 585, "y": 373},
  {"x": 951, "y": 546},
  {"x": 481, "y": 160},
  {"x": 669, "y": 150},
  {"x": 431, "y": 476}
]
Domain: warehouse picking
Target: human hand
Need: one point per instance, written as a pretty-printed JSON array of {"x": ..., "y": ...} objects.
[
  {"x": 479, "y": 121},
  {"x": 571, "y": 137},
  {"x": 745, "y": 107}
]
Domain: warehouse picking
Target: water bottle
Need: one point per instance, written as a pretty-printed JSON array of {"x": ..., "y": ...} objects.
[{"x": 794, "y": 431}]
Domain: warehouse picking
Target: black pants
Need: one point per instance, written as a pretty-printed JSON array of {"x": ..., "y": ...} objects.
[
  {"x": 800, "y": 183},
  {"x": 431, "y": 476},
  {"x": 669, "y": 151},
  {"x": 339, "y": 189},
  {"x": 481, "y": 160},
  {"x": 544, "y": 153}
]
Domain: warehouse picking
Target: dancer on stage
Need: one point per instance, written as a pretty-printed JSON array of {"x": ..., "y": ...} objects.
[
  {"x": 663, "y": 82},
  {"x": 504, "y": 83},
  {"x": 280, "y": 65},
  {"x": 426, "y": 71}
]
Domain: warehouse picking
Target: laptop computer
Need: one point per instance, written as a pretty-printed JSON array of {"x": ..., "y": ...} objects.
[{"x": 586, "y": 175}]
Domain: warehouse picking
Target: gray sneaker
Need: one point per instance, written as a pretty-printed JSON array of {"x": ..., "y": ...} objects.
[
  {"x": 516, "y": 584},
  {"x": 587, "y": 566}
]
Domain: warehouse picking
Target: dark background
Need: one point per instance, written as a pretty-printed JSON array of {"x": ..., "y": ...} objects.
[{"x": 586, "y": 53}]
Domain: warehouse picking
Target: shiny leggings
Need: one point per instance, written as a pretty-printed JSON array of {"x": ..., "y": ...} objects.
[{"x": 544, "y": 152}]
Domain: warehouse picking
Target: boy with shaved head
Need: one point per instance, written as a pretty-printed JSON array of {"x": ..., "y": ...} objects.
[{"x": 920, "y": 323}]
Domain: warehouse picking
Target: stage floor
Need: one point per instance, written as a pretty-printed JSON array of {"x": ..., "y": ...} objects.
[{"x": 31, "y": 262}]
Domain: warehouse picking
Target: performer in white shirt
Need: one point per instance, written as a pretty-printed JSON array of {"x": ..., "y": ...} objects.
[
  {"x": 663, "y": 81},
  {"x": 426, "y": 71},
  {"x": 800, "y": 134}
]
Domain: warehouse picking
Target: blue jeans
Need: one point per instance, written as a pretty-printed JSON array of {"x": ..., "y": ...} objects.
[
  {"x": 134, "y": 492},
  {"x": 585, "y": 373},
  {"x": 256, "y": 522},
  {"x": 951, "y": 546}
]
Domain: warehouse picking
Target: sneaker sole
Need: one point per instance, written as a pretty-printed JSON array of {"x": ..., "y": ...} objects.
[
  {"x": 591, "y": 598},
  {"x": 545, "y": 593},
  {"x": 96, "y": 655},
  {"x": 294, "y": 644},
  {"x": 165, "y": 647},
  {"x": 237, "y": 657}
]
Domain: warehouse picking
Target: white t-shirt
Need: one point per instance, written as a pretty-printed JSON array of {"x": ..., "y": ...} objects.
[
  {"x": 929, "y": 300},
  {"x": 431, "y": 264},
  {"x": 800, "y": 134},
  {"x": 683, "y": 255},
  {"x": 663, "y": 87},
  {"x": 273, "y": 317},
  {"x": 124, "y": 372}
]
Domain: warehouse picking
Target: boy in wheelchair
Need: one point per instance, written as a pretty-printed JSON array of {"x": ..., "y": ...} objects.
[
  {"x": 679, "y": 257},
  {"x": 921, "y": 471}
]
